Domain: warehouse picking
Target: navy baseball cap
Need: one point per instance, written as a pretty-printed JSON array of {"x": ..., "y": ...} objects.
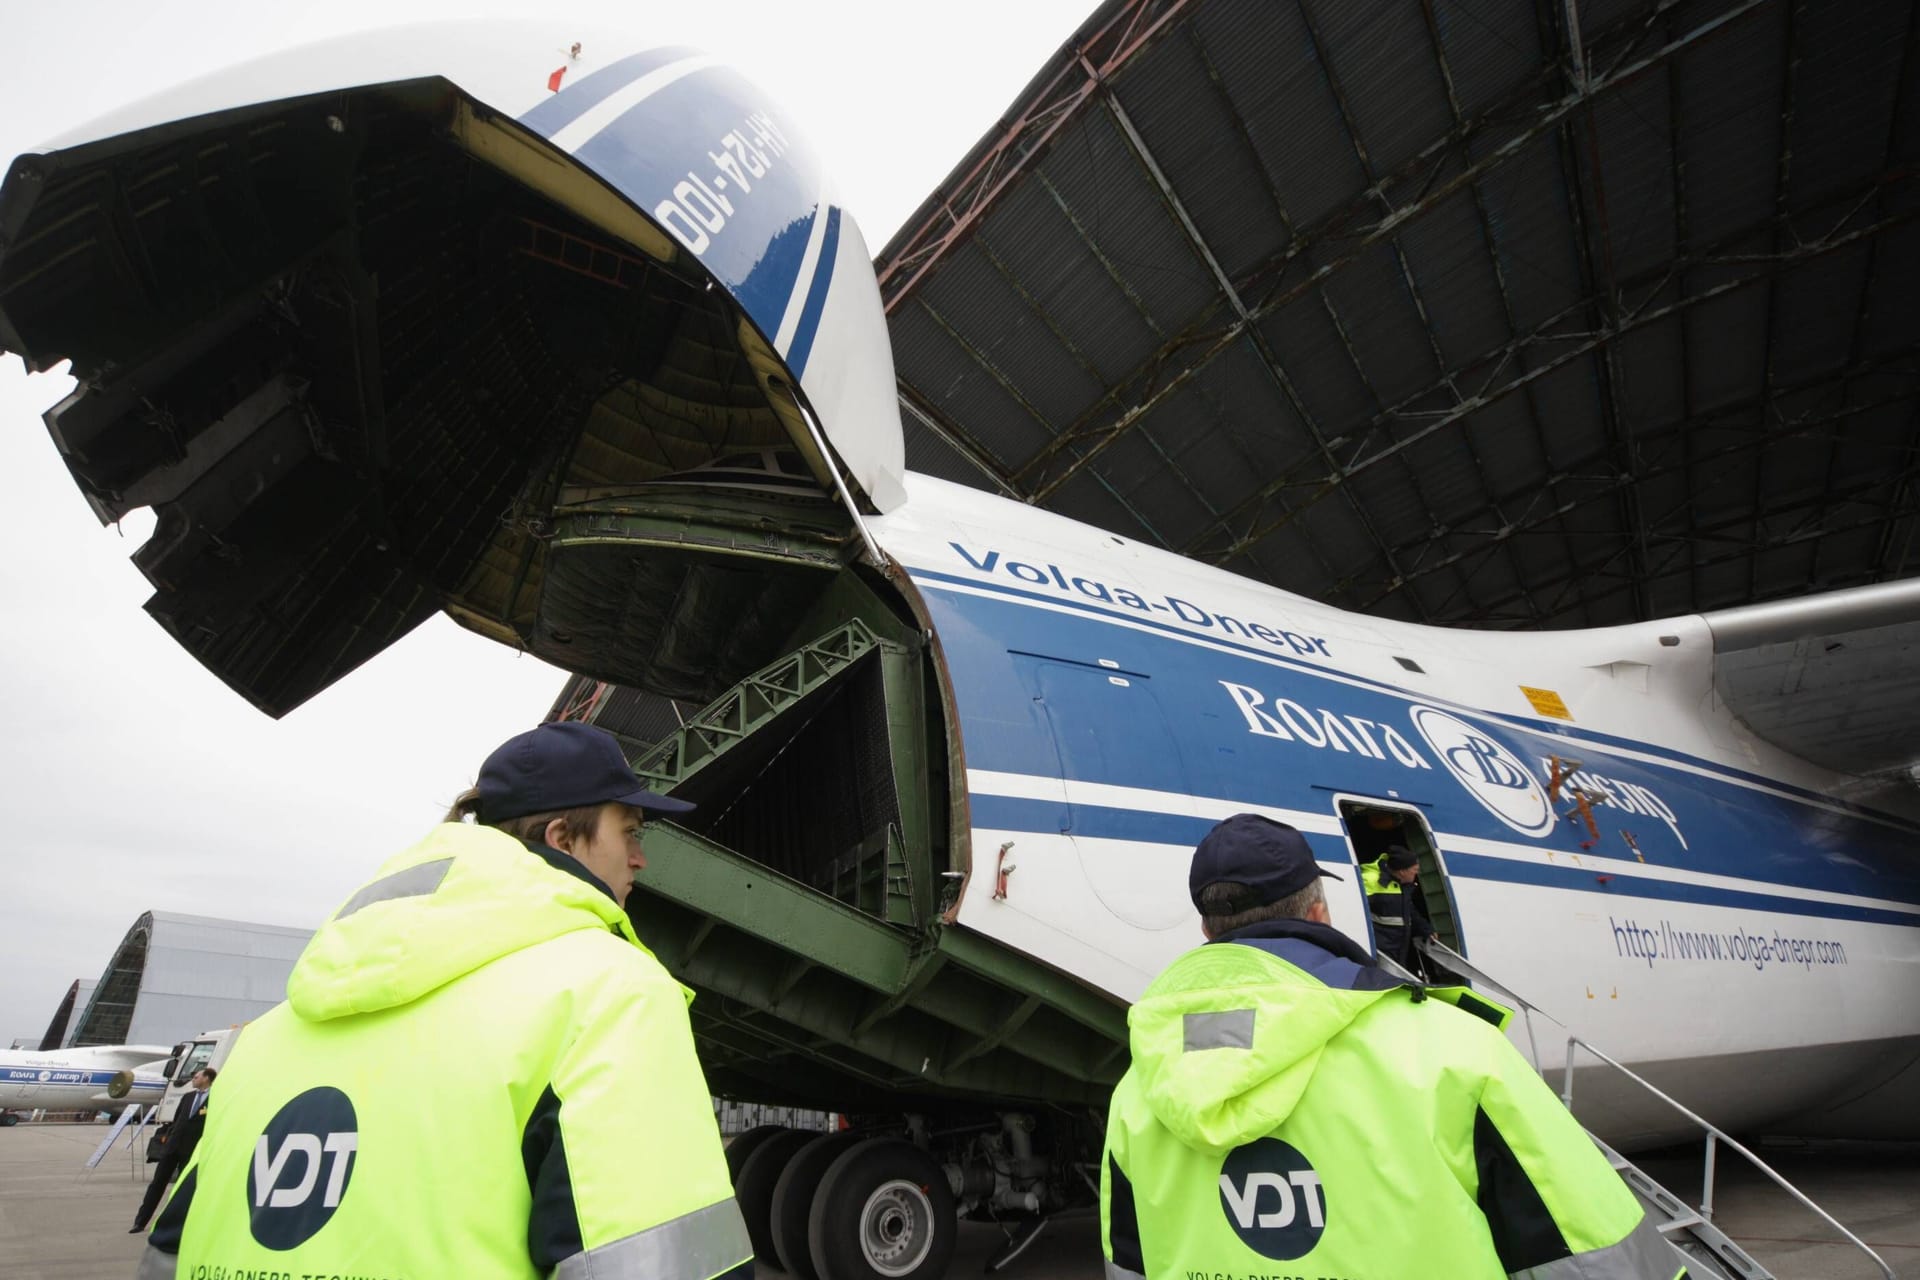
[
  {"x": 1399, "y": 857},
  {"x": 563, "y": 764},
  {"x": 1269, "y": 858}
]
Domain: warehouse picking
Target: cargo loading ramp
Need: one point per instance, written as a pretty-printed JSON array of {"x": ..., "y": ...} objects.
[{"x": 827, "y": 974}]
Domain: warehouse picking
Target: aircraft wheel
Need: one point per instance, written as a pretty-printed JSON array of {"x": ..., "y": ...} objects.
[
  {"x": 753, "y": 1188},
  {"x": 792, "y": 1204},
  {"x": 746, "y": 1144},
  {"x": 883, "y": 1212},
  {"x": 8, "y": 1121}
]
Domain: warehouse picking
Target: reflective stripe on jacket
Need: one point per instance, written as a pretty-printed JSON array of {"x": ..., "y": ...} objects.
[
  {"x": 479, "y": 1071},
  {"x": 1290, "y": 1110}
]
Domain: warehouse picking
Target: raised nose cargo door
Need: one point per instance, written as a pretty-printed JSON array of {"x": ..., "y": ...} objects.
[{"x": 460, "y": 318}]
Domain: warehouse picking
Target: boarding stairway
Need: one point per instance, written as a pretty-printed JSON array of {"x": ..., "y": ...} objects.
[{"x": 1709, "y": 1253}]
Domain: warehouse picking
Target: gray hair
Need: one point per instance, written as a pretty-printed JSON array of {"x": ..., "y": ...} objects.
[{"x": 1225, "y": 907}]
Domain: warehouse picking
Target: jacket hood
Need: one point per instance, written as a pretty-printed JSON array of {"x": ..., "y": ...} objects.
[
  {"x": 1228, "y": 1038},
  {"x": 461, "y": 898}
]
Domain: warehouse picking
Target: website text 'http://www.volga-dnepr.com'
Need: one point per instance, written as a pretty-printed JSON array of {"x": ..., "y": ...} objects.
[{"x": 1663, "y": 941}]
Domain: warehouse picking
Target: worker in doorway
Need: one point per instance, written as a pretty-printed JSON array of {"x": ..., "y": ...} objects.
[
  {"x": 479, "y": 1070},
  {"x": 1291, "y": 1108},
  {"x": 1397, "y": 907}
]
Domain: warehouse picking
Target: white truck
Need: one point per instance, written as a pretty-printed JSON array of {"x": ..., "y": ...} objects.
[{"x": 208, "y": 1049}]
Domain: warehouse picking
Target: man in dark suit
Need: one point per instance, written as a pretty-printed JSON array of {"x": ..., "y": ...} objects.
[{"x": 183, "y": 1134}]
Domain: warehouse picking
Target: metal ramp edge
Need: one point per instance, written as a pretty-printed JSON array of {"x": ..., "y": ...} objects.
[{"x": 734, "y": 716}]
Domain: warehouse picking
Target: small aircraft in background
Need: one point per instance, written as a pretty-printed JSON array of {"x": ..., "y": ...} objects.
[{"x": 102, "y": 1078}]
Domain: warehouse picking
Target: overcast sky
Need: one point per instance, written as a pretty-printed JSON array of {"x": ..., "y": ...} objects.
[{"x": 134, "y": 780}]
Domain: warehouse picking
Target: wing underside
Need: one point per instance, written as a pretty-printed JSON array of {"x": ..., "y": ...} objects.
[{"x": 1833, "y": 678}]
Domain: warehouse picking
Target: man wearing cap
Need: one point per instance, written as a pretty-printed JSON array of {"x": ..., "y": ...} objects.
[
  {"x": 479, "y": 1070},
  {"x": 1291, "y": 1109},
  {"x": 1398, "y": 910}
]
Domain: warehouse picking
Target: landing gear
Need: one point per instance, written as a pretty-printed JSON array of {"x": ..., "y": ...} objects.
[
  {"x": 759, "y": 1174},
  {"x": 884, "y": 1211},
  {"x": 884, "y": 1204},
  {"x": 8, "y": 1120},
  {"x": 793, "y": 1202},
  {"x": 746, "y": 1144}
]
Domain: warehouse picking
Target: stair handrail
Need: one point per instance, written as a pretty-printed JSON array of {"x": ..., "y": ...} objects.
[
  {"x": 1715, "y": 1134},
  {"x": 1452, "y": 959}
]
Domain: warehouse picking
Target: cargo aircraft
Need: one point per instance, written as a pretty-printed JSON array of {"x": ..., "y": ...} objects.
[
  {"x": 574, "y": 342},
  {"x": 103, "y": 1078}
]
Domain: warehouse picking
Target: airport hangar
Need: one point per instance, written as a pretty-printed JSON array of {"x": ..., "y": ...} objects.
[
  {"x": 1484, "y": 313},
  {"x": 174, "y": 976}
]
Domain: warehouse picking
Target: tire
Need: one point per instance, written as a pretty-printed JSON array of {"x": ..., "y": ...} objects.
[
  {"x": 745, "y": 1145},
  {"x": 753, "y": 1187},
  {"x": 793, "y": 1203},
  {"x": 883, "y": 1212}
]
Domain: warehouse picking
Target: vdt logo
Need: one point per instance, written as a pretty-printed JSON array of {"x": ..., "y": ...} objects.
[
  {"x": 1492, "y": 774},
  {"x": 1273, "y": 1199},
  {"x": 301, "y": 1167}
]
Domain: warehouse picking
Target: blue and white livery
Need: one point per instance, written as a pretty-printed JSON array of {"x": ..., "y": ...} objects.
[
  {"x": 99, "y": 1079},
  {"x": 1725, "y": 922}
]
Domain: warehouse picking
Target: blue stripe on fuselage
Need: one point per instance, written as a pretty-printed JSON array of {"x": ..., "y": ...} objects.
[
  {"x": 71, "y": 1076},
  {"x": 934, "y": 579},
  {"x": 1174, "y": 728},
  {"x": 673, "y": 141},
  {"x": 1046, "y": 817},
  {"x": 553, "y": 114},
  {"x": 801, "y": 347}
]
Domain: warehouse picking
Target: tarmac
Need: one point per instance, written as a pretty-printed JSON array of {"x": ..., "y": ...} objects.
[{"x": 61, "y": 1221}]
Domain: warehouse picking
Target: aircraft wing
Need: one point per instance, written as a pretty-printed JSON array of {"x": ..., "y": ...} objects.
[
  {"x": 1832, "y": 678},
  {"x": 132, "y": 1057}
]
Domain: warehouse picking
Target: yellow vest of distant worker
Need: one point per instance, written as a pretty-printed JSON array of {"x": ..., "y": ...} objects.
[
  {"x": 1375, "y": 878},
  {"x": 479, "y": 1071},
  {"x": 1288, "y": 1113}
]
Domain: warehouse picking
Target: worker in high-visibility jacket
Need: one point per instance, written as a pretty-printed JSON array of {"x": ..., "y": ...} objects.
[
  {"x": 479, "y": 1070},
  {"x": 1396, "y": 906},
  {"x": 1292, "y": 1110}
]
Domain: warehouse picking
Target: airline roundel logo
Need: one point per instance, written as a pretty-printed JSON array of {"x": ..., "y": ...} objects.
[
  {"x": 1492, "y": 774},
  {"x": 302, "y": 1164},
  {"x": 1273, "y": 1200}
]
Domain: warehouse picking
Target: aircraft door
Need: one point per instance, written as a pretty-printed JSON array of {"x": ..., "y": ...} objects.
[
  {"x": 1372, "y": 826},
  {"x": 1111, "y": 736}
]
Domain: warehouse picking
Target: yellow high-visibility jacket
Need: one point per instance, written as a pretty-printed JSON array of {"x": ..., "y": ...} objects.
[
  {"x": 478, "y": 1071},
  {"x": 1291, "y": 1110}
]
